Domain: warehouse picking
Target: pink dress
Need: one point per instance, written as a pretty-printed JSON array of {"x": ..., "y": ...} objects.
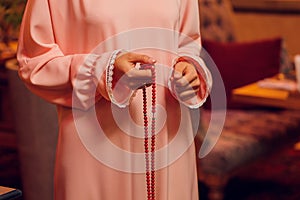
[{"x": 64, "y": 50}]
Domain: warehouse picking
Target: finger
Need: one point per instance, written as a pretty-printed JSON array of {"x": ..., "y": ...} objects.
[
  {"x": 186, "y": 95},
  {"x": 140, "y": 58},
  {"x": 186, "y": 80},
  {"x": 189, "y": 74},
  {"x": 137, "y": 78},
  {"x": 188, "y": 91},
  {"x": 136, "y": 74},
  {"x": 146, "y": 66},
  {"x": 194, "y": 85},
  {"x": 178, "y": 70},
  {"x": 185, "y": 69}
]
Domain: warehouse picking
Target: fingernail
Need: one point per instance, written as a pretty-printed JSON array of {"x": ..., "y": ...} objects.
[{"x": 152, "y": 60}]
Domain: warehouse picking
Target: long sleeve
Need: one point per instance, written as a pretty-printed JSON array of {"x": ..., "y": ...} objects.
[
  {"x": 190, "y": 47},
  {"x": 62, "y": 78}
]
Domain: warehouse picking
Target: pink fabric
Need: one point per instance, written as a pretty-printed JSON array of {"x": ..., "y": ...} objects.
[{"x": 64, "y": 49}]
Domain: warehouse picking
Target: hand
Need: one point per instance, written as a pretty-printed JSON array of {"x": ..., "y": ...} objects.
[
  {"x": 126, "y": 72},
  {"x": 186, "y": 81}
]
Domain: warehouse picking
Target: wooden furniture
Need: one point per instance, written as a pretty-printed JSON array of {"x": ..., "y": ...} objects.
[
  {"x": 254, "y": 94},
  {"x": 7, "y": 193}
]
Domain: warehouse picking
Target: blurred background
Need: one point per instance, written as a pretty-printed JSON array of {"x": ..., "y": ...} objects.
[{"x": 28, "y": 126}]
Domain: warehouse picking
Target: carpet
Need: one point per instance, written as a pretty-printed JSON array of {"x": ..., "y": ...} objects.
[{"x": 274, "y": 178}]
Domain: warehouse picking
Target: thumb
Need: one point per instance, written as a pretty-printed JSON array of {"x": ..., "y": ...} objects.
[{"x": 141, "y": 58}]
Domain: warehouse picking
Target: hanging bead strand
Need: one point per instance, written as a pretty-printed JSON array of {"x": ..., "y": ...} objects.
[
  {"x": 146, "y": 144},
  {"x": 150, "y": 164},
  {"x": 153, "y": 136}
]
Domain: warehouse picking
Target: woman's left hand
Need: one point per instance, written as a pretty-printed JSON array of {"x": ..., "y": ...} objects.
[{"x": 186, "y": 81}]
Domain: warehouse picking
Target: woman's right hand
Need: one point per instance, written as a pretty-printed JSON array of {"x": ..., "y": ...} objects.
[{"x": 125, "y": 71}]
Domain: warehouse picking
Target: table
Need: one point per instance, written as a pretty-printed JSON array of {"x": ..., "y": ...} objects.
[
  {"x": 7, "y": 193},
  {"x": 254, "y": 94}
]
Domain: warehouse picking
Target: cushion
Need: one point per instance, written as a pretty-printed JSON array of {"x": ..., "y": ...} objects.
[{"x": 241, "y": 63}]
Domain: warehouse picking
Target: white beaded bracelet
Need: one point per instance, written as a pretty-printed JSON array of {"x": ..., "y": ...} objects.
[{"x": 109, "y": 74}]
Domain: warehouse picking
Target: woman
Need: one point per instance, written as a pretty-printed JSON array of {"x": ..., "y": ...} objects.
[{"x": 88, "y": 57}]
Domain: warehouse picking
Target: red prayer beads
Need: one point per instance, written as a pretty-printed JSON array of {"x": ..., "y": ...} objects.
[{"x": 150, "y": 164}]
